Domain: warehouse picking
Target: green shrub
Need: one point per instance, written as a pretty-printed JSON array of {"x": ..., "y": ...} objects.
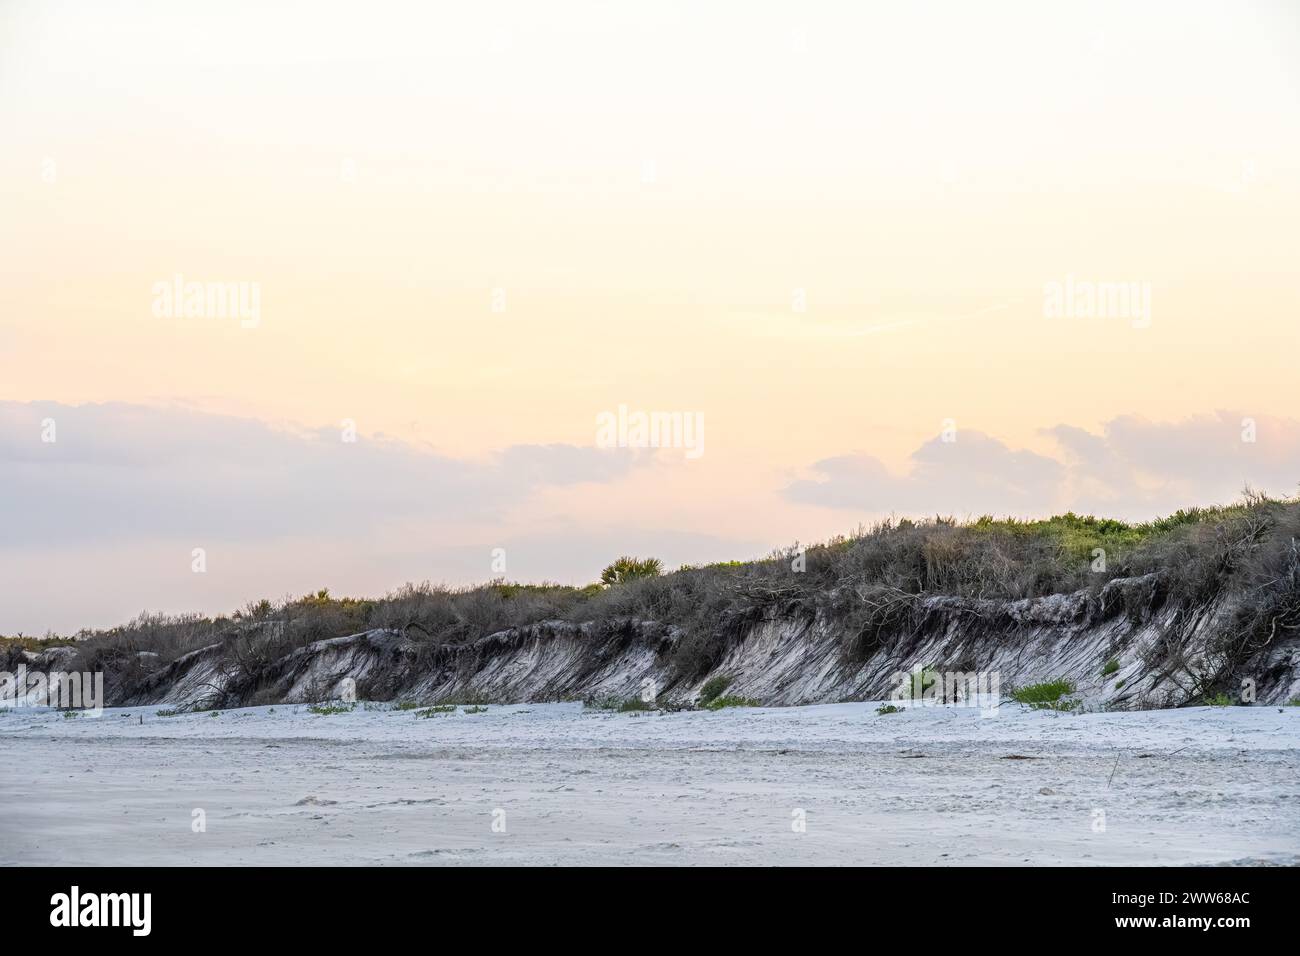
[
  {"x": 468, "y": 700},
  {"x": 924, "y": 676},
  {"x": 1046, "y": 696},
  {"x": 713, "y": 688},
  {"x": 1111, "y": 667},
  {"x": 629, "y": 569},
  {"x": 718, "y": 703},
  {"x": 888, "y": 709},
  {"x": 1219, "y": 700}
]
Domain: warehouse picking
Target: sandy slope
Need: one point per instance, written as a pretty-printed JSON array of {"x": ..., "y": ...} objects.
[{"x": 930, "y": 786}]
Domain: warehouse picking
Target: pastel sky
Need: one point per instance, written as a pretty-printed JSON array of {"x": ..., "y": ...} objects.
[{"x": 829, "y": 229}]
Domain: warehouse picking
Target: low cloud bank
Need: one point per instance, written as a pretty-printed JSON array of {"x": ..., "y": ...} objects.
[{"x": 1134, "y": 468}]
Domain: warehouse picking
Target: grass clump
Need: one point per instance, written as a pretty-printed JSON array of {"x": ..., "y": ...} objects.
[
  {"x": 33, "y": 644},
  {"x": 436, "y": 710},
  {"x": 1219, "y": 700},
  {"x": 469, "y": 700},
  {"x": 1045, "y": 696},
  {"x": 326, "y": 710},
  {"x": 884, "y": 709},
  {"x": 718, "y": 703},
  {"x": 622, "y": 704},
  {"x": 1111, "y": 667}
]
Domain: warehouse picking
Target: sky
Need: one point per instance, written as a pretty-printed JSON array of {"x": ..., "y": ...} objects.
[{"x": 892, "y": 259}]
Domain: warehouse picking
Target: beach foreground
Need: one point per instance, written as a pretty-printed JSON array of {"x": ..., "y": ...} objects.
[{"x": 560, "y": 784}]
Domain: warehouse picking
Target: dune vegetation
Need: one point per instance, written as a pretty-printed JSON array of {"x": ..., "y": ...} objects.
[{"x": 869, "y": 583}]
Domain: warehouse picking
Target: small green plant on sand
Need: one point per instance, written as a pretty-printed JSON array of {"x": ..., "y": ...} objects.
[
  {"x": 326, "y": 710},
  {"x": 436, "y": 710},
  {"x": 1046, "y": 696},
  {"x": 888, "y": 709},
  {"x": 718, "y": 703},
  {"x": 623, "y": 704}
]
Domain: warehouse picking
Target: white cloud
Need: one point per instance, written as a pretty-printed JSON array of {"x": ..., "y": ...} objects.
[
  {"x": 119, "y": 472},
  {"x": 975, "y": 474},
  {"x": 1138, "y": 468},
  {"x": 1134, "y": 469}
]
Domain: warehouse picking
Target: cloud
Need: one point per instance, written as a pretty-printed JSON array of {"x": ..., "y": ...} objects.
[
  {"x": 118, "y": 472},
  {"x": 972, "y": 475},
  {"x": 1135, "y": 469},
  {"x": 101, "y": 523},
  {"x": 566, "y": 464},
  {"x": 1137, "y": 466}
]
